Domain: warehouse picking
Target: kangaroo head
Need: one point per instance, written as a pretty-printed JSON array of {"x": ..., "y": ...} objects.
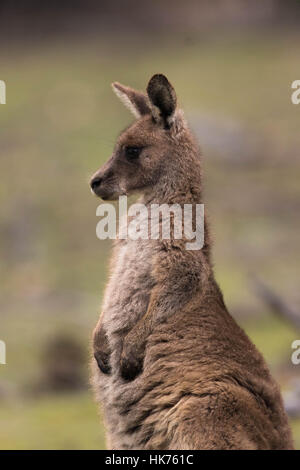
[{"x": 147, "y": 153}]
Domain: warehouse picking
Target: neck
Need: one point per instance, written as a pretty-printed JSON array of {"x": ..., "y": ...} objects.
[
  {"x": 177, "y": 185},
  {"x": 180, "y": 185},
  {"x": 164, "y": 193}
]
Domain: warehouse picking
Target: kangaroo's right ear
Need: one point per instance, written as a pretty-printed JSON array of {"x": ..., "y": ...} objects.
[
  {"x": 135, "y": 101},
  {"x": 162, "y": 98}
]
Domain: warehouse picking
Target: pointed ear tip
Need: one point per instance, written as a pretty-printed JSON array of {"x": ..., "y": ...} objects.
[
  {"x": 158, "y": 77},
  {"x": 118, "y": 87}
]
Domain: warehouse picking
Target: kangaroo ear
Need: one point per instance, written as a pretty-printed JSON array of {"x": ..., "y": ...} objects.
[
  {"x": 162, "y": 98},
  {"x": 135, "y": 101}
]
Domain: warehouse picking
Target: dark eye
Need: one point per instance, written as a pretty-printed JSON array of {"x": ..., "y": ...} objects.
[{"x": 132, "y": 153}]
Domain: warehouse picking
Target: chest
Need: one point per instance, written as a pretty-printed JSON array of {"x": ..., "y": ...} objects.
[{"x": 128, "y": 290}]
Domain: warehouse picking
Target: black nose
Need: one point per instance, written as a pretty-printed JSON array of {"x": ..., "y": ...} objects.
[{"x": 95, "y": 183}]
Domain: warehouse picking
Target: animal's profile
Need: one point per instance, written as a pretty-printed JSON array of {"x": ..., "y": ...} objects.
[{"x": 172, "y": 368}]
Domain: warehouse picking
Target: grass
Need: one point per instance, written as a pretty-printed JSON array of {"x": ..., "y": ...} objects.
[{"x": 64, "y": 422}]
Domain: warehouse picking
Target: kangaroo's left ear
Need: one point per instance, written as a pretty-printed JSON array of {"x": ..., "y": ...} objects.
[
  {"x": 162, "y": 98},
  {"x": 135, "y": 101}
]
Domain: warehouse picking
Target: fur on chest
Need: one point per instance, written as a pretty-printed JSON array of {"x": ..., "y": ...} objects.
[{"x": 128, "y": 291}]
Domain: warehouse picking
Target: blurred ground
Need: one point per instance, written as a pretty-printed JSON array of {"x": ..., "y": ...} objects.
[{"x": 59, "y": 126}]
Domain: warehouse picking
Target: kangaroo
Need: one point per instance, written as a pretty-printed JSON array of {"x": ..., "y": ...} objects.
[{"x": 171, "y": 368}]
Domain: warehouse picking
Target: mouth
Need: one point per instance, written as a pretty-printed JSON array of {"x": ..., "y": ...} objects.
[{"x": 104, "y": 195}]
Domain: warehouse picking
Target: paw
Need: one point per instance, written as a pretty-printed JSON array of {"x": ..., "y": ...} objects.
[
  {"x": 101, "y": 349},
  {"x": 103, "y": 362},
  {"x": 131, "y": 365}
]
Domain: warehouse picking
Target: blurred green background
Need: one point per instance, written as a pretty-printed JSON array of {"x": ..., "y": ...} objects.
[{"x": 232, "y": 66}]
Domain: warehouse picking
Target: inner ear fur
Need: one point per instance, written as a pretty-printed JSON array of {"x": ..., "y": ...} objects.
[
  {"x": 135, "y": 101},
  {"x": 162, "y": 98}
]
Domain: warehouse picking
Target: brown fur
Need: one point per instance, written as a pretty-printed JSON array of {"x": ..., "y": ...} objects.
[{"x": 173, "y": 370}]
